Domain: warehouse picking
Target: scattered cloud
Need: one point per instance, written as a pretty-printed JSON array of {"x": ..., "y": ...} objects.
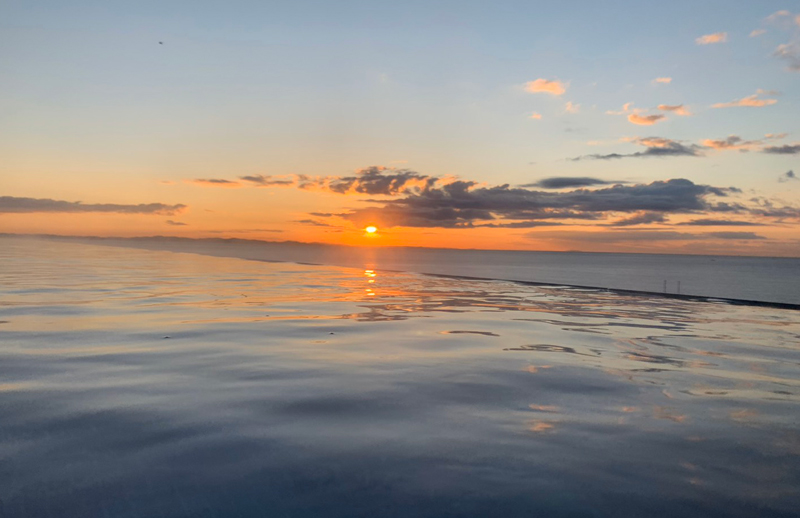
[
  {"x": 548, "y": 86},
  {"x": 751, "y": 101},
  {"x": 626, "y": 108},
  {"x": 708, "y": 39},
  {"x": 662, "y": 80},
  {"x": 11, "y": 204},
  {"x": 175, "y": 223},
  {"x": 706, "y": 222},
  {"x": 571, "y": 107},
  {"x": 789, "y": 52},
  {"x": 565, "y": 182},
  {"x": 788, "y": 149},
  {"x": 677, "y": 109},
  {"x": 214, "y": 182},
  {"x": 269, "y": 181},
  {"x": 656, "y": 147},
  {"x": 536, "y": 115},
  {"x": 788, "y": 176},
  {"x": 757, "y": 32},
  {"x": 645, "y": 120},
  {"x": 732, "y": 142},
  {"x": 642, "y": 218}
]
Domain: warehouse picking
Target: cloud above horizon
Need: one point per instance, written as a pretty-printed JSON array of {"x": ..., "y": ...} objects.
[
  {"x": 563, "y": 182},
  {"x": 751, "y": 101},
  {"x": 15, "y": 205},
  {"x": 548, "y": 86},
  {"x": 645, "y": 120},
  {"x": 708, "y": 39},
  {"x": 677, "y": 109},
  {"x": 788, "y": 149},
  {"x": 655, "y": 147}
]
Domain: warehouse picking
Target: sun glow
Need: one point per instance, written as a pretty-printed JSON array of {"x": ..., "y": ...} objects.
[{"x": 371, "y": 229}]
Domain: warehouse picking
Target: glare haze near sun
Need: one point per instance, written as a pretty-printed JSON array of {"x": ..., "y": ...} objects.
[{"x": 627, "y": 126}]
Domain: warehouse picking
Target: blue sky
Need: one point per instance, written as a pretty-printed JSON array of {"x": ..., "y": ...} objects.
[{"x": 91, "y": 101}]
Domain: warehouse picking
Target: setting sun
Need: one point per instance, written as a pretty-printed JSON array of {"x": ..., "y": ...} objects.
[{"x": 371, "y": 229}]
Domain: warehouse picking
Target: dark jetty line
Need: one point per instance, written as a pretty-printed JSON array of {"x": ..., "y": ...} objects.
[{"x": 621, "y": 291}]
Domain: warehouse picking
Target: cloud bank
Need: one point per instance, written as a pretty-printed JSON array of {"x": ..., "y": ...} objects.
[{"x": 14, "y": 205}]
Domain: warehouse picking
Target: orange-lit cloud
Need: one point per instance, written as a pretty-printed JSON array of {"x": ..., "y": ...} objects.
[
  {"x": 571, "y": 107},
  {"x": 552, "y": 87},
  {"x": 645, "y": 120},
  {"x": 732, "y": 142},
  {"x": 663, "y": 80},
  {"x": 751, "y": 101},
  {"x": 708, "y": 39},
  {"x": 536, "y": 115},
  {"x": 677, "y": 109}
]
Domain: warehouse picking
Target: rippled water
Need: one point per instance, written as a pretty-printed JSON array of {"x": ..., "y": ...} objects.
[{"x": 137, "y": 383}]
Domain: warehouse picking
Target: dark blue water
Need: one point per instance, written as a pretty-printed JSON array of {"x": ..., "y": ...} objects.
[{"x": 137, "y": 383}]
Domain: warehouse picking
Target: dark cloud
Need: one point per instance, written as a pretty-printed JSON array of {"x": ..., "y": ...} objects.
[
  {"x": 374, "y": 180},
  {"x": 564, "y": 182},
  {"x": 642, "y": 218},
  {"x": 734, "y": 235},
  {"x": 268, "y": 181},
  {"x": 461, "y": 204},
  {"x": 788, "y": 149},
  {"x": 11, "y": 204},
  {"x": 655, "y": 147},
  {"x": 707, "y": 222},
  {"x": 175, "y": 223},
  {"x": 313, "y": 223},
  {"x": 787, "y": 176}
]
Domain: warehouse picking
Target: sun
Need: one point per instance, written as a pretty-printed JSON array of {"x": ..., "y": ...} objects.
[{"x": 371, "y": 229}]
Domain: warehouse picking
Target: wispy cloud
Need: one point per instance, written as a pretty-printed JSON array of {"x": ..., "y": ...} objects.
[
  {"x": 571, "y": 107},
  {"x": 642, "y": 218},
  {"x": 548, "y": 86},
  {"x": 788, "y": 176},
  {"x": 757, "y": 32},
  {"x": 214, "y": 182},
  {"x": 536, "y": 115},
  {"x": 565, "y": 182},
  {"x": 11, "y": 204},
  {"x": 732, "y": 142},
  {"x": 662, "y": 80},
  {"x": 269, "y": 181},
  {"x": 708, "y": 39},
  {"x": 677, "y": 109},
  {"x": 656, "y": 147},
  {"x": 645, "y": 120},
  {"x": 789, "y": 52},
  {"x": 751, "y": 101},
  {"x": 707, "y": 222},
  {"x": 175, "y": 223}
]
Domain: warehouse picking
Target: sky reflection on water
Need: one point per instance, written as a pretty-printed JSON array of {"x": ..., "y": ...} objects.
[{"x": 137, "y": 383}]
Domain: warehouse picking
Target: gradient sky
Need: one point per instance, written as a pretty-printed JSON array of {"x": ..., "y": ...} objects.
[{"x": 625, "y": 126}]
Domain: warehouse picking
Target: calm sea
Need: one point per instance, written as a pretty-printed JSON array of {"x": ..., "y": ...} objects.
[
  {"x": 138, "y": 383},
  {"x": 766, "y": 279}
]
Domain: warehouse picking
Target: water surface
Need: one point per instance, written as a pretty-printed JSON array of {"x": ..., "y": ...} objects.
[{"x": 138, "y": 383}]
